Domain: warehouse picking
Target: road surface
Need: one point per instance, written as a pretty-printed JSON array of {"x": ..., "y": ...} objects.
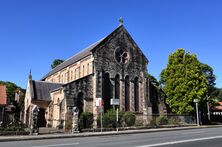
[{"x": 207, "y": 137}]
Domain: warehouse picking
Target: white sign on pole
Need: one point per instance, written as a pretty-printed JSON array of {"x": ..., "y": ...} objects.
[{"x": 114, "y": 101}]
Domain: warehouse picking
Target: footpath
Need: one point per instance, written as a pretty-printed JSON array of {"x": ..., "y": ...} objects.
[{"x": 91, "y": 134}]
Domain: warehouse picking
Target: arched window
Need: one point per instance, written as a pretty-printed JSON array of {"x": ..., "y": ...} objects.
[
  {"x": 83, "y": 70},
  {"x": 71, "y": 75},
  {"x": 117, "y": 87},
  {"x": 80, "y": 102},
  {"x": 136, "y": 94},
  {"x": 62, "y": 79},
  {"x": 106, "y": 91},
  {"x": 127, "y": 100},
  {"x": 58, "y": 101}
]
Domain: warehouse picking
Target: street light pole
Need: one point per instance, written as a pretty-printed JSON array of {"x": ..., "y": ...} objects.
[
  {"x": 198, "y": 124},
  {"x": 197, "y": 113},
  {"x": 208, "y": 108}
]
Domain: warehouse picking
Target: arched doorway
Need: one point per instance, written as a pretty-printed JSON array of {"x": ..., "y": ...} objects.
[
  {"x": 127, "y": 100},
  {"x": 106, "y": 92},
  {"x": 41, "y": 118}
]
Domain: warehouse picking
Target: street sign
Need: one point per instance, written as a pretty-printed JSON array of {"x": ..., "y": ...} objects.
[
  {"x": 99, "y": 102},
  {"x": 114, "y": 101}
]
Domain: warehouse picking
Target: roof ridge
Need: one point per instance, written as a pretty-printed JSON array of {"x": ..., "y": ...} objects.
[
  {"x": 85, "y": 48},
  {"x": 47, "y": 82},
  {"x": 89, "y": 49}
]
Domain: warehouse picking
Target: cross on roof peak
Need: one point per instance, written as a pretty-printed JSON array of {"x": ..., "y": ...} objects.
[{"x": 120, "y": 21}]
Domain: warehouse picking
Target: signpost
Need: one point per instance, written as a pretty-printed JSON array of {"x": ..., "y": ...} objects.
[
  {"x": 99, "y": 104},
  {"x": 116, "y": 102}
]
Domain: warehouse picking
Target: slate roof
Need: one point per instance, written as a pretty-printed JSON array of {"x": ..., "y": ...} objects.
[
  {"x": 84, "y": 53},
  {"x": 41, "y": 89}
]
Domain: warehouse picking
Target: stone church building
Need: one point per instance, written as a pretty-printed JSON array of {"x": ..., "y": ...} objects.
[{"x": 113, "y": 67}]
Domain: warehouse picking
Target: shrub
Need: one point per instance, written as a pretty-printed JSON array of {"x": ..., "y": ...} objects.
[
  {"x": 86, "y": 120},
  {"x": 109, "y": 119},
  {"x": 152, "y": 123},
  {"x": 129, "y": 118},
  {"x": 162, "y": 120},
  {"x": 18, "y": 126},
  {"x": 174, "y": 121}
]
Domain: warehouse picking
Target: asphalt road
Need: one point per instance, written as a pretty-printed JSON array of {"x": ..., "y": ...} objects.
[{"x": 208, "y": 137}]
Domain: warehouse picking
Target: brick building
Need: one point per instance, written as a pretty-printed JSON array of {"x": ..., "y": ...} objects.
[{"x": 3, "y": 101}]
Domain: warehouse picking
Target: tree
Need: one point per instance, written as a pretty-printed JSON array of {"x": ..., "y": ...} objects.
[
  {"x": 220, "y": 95},
  {"x": 212, "y": 91},
  {"x": 153, "y": 80},
  {"x": 208, "y": 72},
  {"x": 10, "y": 90},
  {"x": 183, "y": 81},
  {"x": 56, "y": 62}
]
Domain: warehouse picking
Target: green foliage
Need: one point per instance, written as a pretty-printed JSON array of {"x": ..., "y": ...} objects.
[
  {"x": 220, "y": 95},
  {"x": 162, "y": 120},
  {"x": 86, "y": 120},
  {"x": 153, "y": 80},
  {"x": 174, "y": 121},
  {"x": 183, "y": 81},
  {"x": 129, "y": 118},
  {"x": 208, "y": 72},
  {"x": 109, "y": 119},
  {"x": 17, "y": 126},
  {"x": 212, "y": 91},
  {"x": 56, "y": 62},
  {"x": 213, "y": 101},
  {"x": 10, "y": 90}
]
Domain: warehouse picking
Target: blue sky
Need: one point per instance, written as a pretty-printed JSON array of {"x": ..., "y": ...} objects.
[{"x": 35, "y": 32}]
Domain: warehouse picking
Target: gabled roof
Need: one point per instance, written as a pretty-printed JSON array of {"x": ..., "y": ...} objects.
[
  {"x": 85, "y": 52},
  {"x": 3, "y": 95},
  {"x": 42, "y": 89},
  {"x": 82, "y": 54},
  {"x": 218, "y": 107}
]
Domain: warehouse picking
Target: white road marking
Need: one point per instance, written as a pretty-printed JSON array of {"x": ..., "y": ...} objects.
[
  {"x": 68, "y": 144},
  {"x": 181, "y": 141},
  {"x": 188, "y": 133}
]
